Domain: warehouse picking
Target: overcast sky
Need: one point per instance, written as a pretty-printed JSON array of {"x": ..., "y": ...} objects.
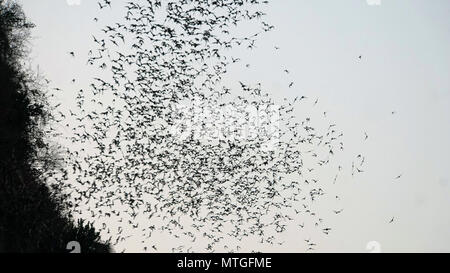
[{"x": 405, "y": 64}]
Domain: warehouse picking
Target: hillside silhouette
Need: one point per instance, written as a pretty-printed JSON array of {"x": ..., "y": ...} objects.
[{"x": 33, "y": 216}]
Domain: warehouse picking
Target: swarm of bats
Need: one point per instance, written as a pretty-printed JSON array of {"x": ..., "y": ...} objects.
[{"x": 160, "y": 143}]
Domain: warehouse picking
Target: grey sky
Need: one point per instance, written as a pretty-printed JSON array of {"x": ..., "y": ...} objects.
[{"x": 405, "y": 49}]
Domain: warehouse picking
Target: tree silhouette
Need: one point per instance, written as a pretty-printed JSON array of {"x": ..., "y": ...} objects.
[{"x": 33, "y": 216}]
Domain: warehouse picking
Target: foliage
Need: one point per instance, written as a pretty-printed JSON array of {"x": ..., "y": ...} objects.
[{"x": 33, "y": 216}]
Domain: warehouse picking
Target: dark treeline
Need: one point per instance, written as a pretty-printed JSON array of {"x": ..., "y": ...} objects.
[{"x": 33, "y": 216}]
